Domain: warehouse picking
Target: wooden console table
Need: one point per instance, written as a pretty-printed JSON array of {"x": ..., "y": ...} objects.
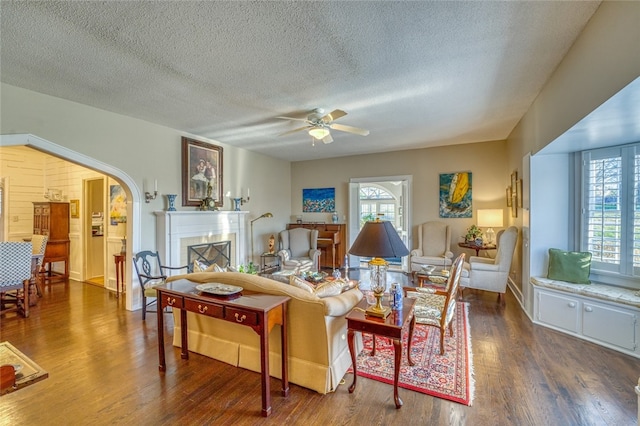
[
  {"x": 391, "y": 327},
  {"x": 119, "y": 259},
  {"x": 258, "y": 311}
]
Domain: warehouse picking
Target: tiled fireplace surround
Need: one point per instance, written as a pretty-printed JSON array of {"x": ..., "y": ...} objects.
[{"x": 177, "y": 230}]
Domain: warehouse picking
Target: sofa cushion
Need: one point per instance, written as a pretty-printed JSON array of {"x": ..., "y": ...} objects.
[
  {"x": 330, "y": 288},
  {"x": 199, "y": 266},
  {"x": 569, "y": 266},
  {"x": 301, "y": 283},
  {"x": 323, "y": 289}
]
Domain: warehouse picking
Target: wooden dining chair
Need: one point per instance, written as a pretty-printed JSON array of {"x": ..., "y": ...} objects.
[
  {"x": 436, "y": 307},
  {"x": 151, "y": 272}
]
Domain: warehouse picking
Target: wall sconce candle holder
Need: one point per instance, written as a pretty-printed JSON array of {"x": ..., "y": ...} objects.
[{"x": 148, "y": 197}]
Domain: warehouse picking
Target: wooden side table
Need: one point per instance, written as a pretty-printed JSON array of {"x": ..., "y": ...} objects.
[
  {"x": 392, "y": 327},
  {"x": 119, "y": 259},
  {"x": 269, "y": 262},
  {"x": 476, "y": 247},
  {"x": 260, "y": 312}
]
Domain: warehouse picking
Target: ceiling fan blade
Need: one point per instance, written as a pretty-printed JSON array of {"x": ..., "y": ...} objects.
[
  {"x": 333, "y": 115},
  {"x": 349, "y": 129},
  {"x": 327, "y": 139},
  {"x": 292, "y": 118},
  {"x": 294, "y": 130}
]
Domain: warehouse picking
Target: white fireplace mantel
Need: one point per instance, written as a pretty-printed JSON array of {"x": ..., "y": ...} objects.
[{"x": 175, "y": 230}]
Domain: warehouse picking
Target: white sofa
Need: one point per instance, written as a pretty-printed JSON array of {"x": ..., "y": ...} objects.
[{"x": 316, "y": 330}]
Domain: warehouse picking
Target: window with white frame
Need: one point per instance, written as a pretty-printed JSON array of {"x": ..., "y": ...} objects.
[
  {"x": 376, "y": 202},
  {"x": 611, "y": 212}
]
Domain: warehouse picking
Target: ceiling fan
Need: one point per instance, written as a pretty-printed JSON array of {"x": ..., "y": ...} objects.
[{"x": 318, "y": 125}]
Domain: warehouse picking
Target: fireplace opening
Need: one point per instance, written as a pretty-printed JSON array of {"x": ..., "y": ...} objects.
[{"x": 217, "y": 252}]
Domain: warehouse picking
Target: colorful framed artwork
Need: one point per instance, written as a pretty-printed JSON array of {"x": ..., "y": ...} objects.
[
  {"x": 117, "y": 205},
  {"x": 74, "y": 208},
  {"x": 201, "y": 172},
  {"x": 319, "y": 200},
  {"x": 456, "y": 195}
]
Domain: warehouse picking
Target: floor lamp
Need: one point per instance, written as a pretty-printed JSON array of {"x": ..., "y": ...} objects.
[
  {"x": 257, "y": 218},
  {"x": 377, "y": 240}
]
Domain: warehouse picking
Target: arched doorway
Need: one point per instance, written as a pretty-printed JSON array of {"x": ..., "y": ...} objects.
[{"x": 129, "y": 186}]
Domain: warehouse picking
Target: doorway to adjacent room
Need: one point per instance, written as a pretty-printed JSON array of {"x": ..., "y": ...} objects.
[{"x": 386, "y": 198}]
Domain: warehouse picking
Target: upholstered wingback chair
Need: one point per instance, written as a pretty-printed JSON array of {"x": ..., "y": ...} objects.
[
  {"x": 484, "y": 273},
  {"x": 434, "y": 241},
  {"x": 299, "y": 249}
]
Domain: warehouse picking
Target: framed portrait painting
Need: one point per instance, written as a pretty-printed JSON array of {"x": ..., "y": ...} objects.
[{"x": 201, "y": 172}]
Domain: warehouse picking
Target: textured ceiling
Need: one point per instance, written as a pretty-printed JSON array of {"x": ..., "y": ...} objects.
[{"x": 416, "y": 74}]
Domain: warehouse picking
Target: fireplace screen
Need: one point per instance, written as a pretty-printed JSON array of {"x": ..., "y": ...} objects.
[{"x": 210, "y": 253}]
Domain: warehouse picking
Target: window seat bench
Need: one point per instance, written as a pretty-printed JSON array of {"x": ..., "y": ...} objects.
[{"x": 603, "y": 314}]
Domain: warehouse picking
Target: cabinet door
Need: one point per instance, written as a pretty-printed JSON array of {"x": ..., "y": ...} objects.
[
  {"x": 558, "y": 311},
  {"x": 609, "y": 324},
  {"x": 45, "y": 220}
]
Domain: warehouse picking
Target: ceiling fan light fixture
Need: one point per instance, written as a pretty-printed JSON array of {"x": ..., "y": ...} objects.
[{"x": 318, "y": 132}]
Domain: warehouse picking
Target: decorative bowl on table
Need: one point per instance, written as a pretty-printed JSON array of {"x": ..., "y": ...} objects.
[
  {"x": 427, "y": 269},
  {"x": 219, "y": 289},
  {"x": 313, "y": 277}
]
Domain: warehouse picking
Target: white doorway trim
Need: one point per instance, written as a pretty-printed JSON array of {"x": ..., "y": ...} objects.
[
  {"x": 129, "y": 185},
  {"x": 405, "y": 203}
]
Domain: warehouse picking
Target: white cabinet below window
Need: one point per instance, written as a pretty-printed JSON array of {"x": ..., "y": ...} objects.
[{"x": 606, "y": 323}]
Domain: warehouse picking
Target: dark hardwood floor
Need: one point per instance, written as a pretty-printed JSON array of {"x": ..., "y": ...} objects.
[{"x": 102, "y": 363}]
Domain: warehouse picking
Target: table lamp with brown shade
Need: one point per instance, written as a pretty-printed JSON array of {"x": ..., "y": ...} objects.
[{"x": 378, "y": 239}]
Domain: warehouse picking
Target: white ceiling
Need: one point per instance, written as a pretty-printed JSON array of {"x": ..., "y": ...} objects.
[{"x": 416, "y": 74}]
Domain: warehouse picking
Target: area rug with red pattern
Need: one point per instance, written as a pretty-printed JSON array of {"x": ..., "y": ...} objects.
[{"x": 448, "y": 376}]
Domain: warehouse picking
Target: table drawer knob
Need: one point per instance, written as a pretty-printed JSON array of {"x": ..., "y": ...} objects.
[
  {"x": 572, "y": 304},
  {"x": 202, "y": 309},
  {"x": 171, "y": 300},
  {"x": 240, "y": 318},
  {"x": 588, "y": 309}
]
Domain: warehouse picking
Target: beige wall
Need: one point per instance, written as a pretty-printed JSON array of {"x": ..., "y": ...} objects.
[
  {"x": 602, "y": 61},
  {"x": 486, "y": 161},
  {"x": 142, "y": 152}
]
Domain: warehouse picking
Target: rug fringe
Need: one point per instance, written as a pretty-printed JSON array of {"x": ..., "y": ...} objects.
[{"x": 472, "y": 378}]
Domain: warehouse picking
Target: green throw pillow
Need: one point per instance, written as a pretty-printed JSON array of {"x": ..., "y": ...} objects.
[{"x": 570, "y": 266}]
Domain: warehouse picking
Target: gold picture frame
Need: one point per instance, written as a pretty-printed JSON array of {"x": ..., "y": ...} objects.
[
  {"x": 514, "y": 194},
  {"x": 201, "y": 168},
  {"x": 74, "y": 209},
  {"x": 519, "y": 193},
  {"x": 508, "y": 196}
]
